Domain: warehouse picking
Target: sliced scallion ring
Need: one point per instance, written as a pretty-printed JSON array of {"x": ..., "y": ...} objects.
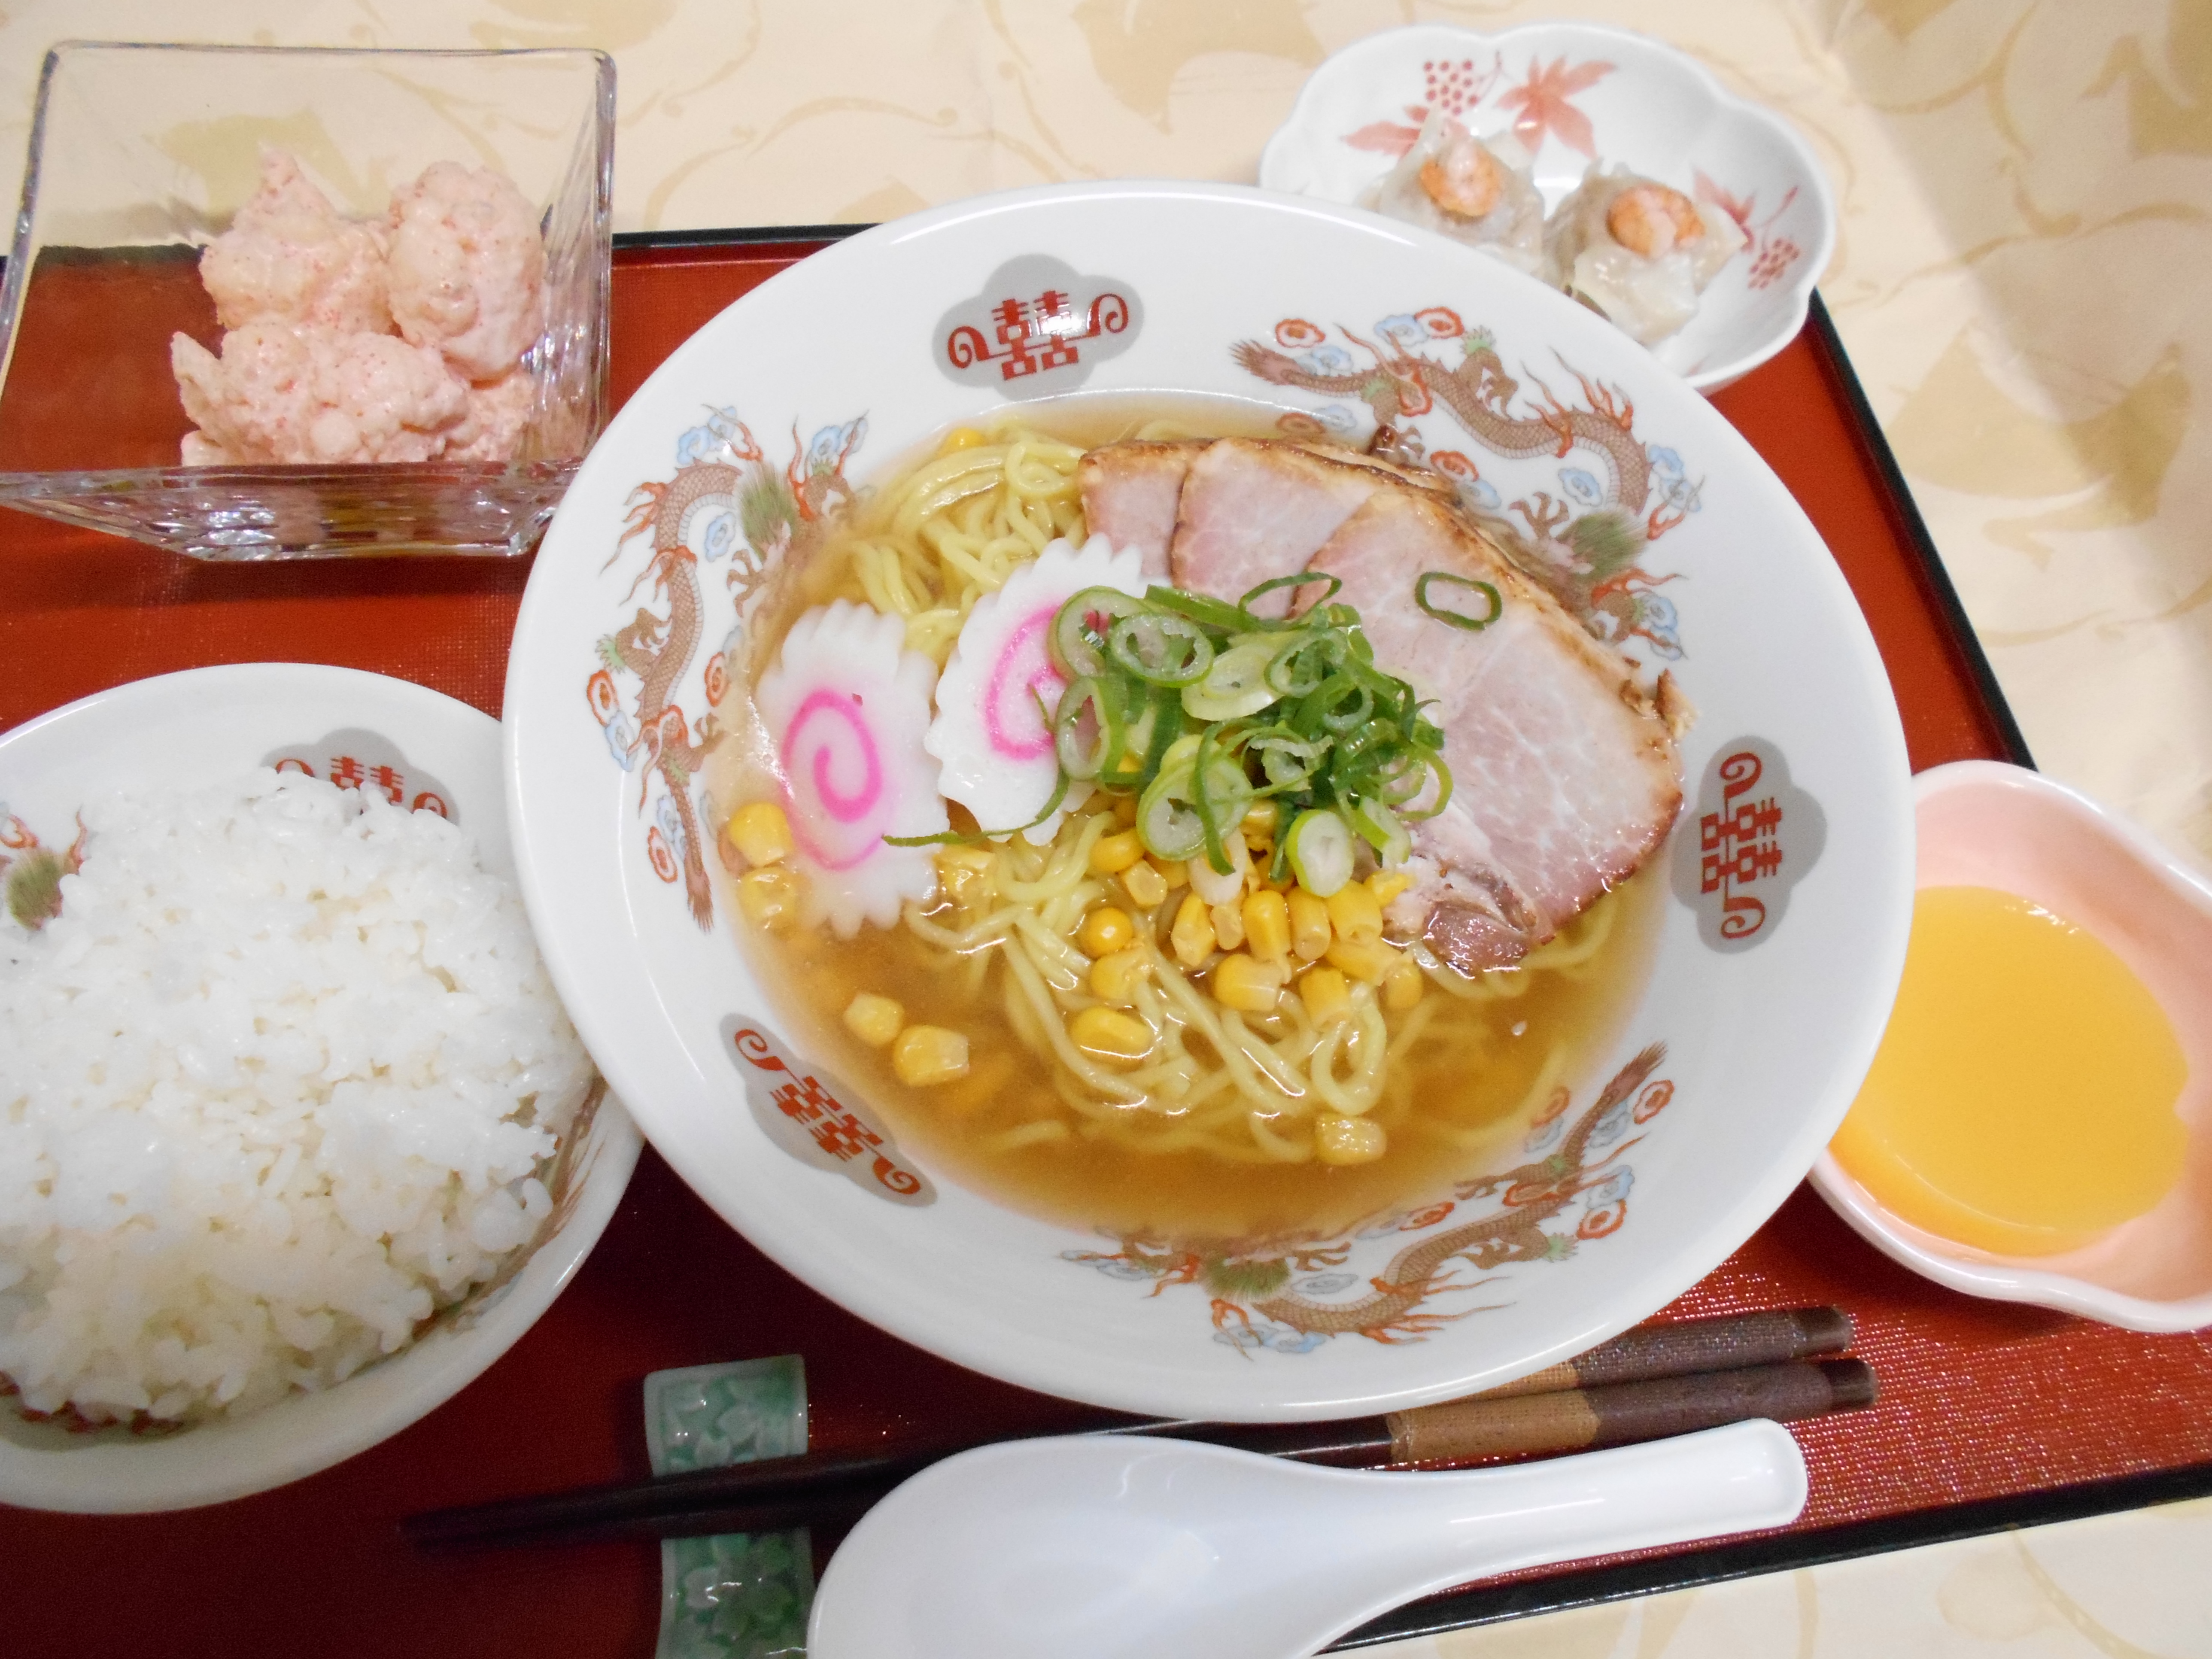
[
  {"x": 1341, "y": 703},
  {"x": 1297, "y": 579},
  {"x": 1160, "y": 650},
  {"x": 1495, "y": 601},
  {"x": 1379, "y": 828},
  {"x": 1320, "y": 848},
  {"x": 1235, "y": 686},
  {"x": 1087, "y": 734},
  {"x": 1080, "y": 631},
  {"x": 1301, "y": 666}
]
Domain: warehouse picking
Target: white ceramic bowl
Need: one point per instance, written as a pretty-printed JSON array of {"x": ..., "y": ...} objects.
[
  {"x": 1576, "y": 94},
  {"x": 1767, "y": 1013},
  {"x": 1985, "y": 825},
  {"x": 180, "y": 729}
]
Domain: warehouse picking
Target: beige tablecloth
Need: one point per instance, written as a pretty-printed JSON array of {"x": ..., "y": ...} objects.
[{"x": 2027, "y": 198}]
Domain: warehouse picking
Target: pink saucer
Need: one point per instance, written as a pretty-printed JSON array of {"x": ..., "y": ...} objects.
[{"x": 1983, "y": 824}]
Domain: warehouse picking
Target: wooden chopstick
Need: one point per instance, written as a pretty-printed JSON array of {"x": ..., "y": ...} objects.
[{"x": 1644, "y": 1384}]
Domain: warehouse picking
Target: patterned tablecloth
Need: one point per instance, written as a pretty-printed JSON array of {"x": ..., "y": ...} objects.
[{"x": 2026, "y": 187}]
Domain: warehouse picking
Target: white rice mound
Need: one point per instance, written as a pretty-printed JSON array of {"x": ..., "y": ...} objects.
[{"x": 279, "y": 1083}]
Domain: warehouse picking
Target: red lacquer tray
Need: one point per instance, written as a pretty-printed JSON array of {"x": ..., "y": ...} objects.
[{"x": 1991, "y": 1413}]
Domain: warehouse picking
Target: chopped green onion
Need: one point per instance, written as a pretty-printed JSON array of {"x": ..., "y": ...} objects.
[
  {"x": 1235, "y": 686},
  {"x": 1341, "y": 703},
  {"x": 1458, "y": 618},
  {"x": 1080, "y": 630},
  {"x": 1160, "y": 650},
  {"x": 1319, "y": 847},
  {"x": 1299, "y": 579},
  {"x": 1436, "y": 763},
  {"x": 1379, "y": 828},
  {"x": 1299, "y": 668},
  {"x": 1199, "y": 607},
  {"x": 1197, "y": 708},
  {"x": 1081, "y": 758}
]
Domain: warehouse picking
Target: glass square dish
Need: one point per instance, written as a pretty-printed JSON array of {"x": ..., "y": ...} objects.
[{"x": 139, "y": 157}]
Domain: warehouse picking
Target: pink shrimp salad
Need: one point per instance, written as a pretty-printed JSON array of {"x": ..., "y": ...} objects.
[
  {"x": 467, "y": 268},
  {"x": 845, "y": 707},
  {"x": 310, "y": 371},
  {"x": 990, "y": 731}
]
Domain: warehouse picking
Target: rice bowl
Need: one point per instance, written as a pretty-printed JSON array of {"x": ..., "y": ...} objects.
[{"x": 357, "y": 1206}]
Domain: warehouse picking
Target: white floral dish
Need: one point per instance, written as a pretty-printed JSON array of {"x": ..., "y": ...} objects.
[
  {"x": 414, "y": 743},
  {"x": 1789, "y": 869},
  {"x": 1576, "y": 94},
  {"x": 1985, "y": 825}
]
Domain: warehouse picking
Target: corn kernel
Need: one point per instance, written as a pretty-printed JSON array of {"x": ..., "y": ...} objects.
[
  {"x": 965, "y": 873},
  {"x": 1112, "y": 854},
  {"x": 1174, "y": 872},
  {"x": 875, "y": 1020},
  {"x": 929, "y": 1054},
  {"x": 1267, "y": 926},
  {"x": 1193, "y": 934},
  {"x": 1325, "y": 995},
  {"x": 1387, "y": 884},
  {"x": 1370, "y": 963},
  {"x": 1106, "y": 930},
  {"x": 1114, "y": 979},
  {"x": 1309, "y": 925},
  {"x": 761, "y": 832},
  {"x": 1355, "y": 916},
  {"x": 769, "y": 895},
  {"x": 1109, "y": 1035},
  {"x": 962, "y": 437},
  {"x": 1145, "y": 884},
  {"x": 1228, "y": 926},
  {"x": 1249, "y": 985},
  {"x": 1403, "y": 986},
  {"x": 1348, "y": 1140},
  {"x": 1125, "y": 809},
  {"x": 1262, "y": 819}
]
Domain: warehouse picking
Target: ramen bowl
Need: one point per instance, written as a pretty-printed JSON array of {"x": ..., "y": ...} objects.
[{"x": 1787, "y": 881}]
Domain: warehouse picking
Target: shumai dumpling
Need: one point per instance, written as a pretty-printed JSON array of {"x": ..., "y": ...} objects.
[
  {"x": 1473, "y": 190},
  {"x": 1640, "y": 251}
]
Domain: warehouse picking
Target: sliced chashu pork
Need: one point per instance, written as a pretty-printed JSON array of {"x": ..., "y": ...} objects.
[
  {"x": 1206, "y": 513},
  {"x": 1565, "y": 775},
  {"x": 1130, "y": 493}
]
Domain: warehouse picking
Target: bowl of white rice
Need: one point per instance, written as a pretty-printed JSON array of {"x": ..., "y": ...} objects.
[{"x": 295, "y": 1138}]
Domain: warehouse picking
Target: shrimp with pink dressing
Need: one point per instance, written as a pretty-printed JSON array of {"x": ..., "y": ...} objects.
[
  {"x": 290, "y": 257},
  {"x": 992, "y": 731},
  {"x": 847, "y": 711},
  {"x": 293, "y": 394},
  {"x": 467, "y": 268}
]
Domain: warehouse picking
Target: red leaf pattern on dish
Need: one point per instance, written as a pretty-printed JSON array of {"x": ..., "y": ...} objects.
[
  {"x": 1544, "y": 104},
  {"x": 1384, "y": 136},
  {"x": 1738, "y": 208}
]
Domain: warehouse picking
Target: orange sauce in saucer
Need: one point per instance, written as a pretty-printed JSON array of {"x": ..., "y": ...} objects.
[{"x": 2022, "y": 1100}]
